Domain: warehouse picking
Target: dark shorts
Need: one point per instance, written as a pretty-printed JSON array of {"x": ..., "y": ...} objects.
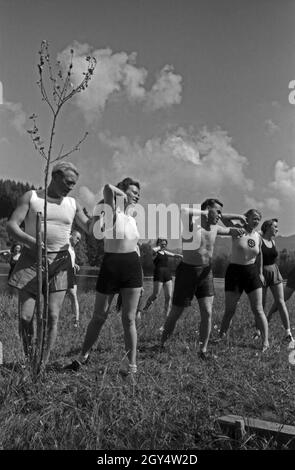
[
  {"x": 119, "y": 271},
  {"x": 192, "y": 281},
  {"x": 291, "y": 279},
  {"x": 272, "y": 275},
  {"x": 239, "y": 278},
  {"x": 162, "y": 274},
  {"x": 60, "y": 272}
]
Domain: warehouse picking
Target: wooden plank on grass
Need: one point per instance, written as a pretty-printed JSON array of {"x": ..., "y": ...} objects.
[{"x": 281, "y": 432}]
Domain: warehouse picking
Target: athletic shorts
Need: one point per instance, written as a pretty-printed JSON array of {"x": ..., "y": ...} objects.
[
  {"x": 162, "y": 274},
  {"x": 119, "y": 271},
  {"x": 60, "y": 272},
  {"x": 291, "y": 279},
  {"x": 239, "y": 278},
  {"x": 192, "y": 281},
  {"x": 272, "y": 275}
]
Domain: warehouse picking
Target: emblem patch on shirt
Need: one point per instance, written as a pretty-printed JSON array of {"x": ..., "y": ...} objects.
[{"x": 251, "y": 243}]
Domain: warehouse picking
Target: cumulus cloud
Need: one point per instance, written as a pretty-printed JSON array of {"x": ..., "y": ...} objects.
[
  {"x": 252, "y": 203},
  {"x": 272, "y": 203},
  {"x": 14, "y": 114},
  {"x": 284, "y": 179},
  {"x": 166, "y": 91},
  {"x": 179, "y": 165},
  {"x": 117, "y": 74},
  {"x": 270, "y": 127},
  {"x": 88, "y": 198}
]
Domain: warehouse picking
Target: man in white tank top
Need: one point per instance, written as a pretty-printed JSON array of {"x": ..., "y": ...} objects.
[{"x": 61, "y": 212}]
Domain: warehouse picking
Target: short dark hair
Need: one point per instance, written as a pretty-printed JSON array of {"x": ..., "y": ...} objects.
[
  {"x": 253, "y": 211},
  {"x": 162, "y": 240},
  {"x": 267, "y": 223},
  {"x": 210, "y": 202},
  {"x": 14, "y": 245},
  {"x": 126, "y": 182}
]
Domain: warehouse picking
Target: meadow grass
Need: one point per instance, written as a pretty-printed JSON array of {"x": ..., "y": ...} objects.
[{"x": 175, "y": 401}]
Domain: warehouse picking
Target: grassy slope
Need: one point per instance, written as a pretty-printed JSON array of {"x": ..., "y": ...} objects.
[{"x": 175, "y": 402}]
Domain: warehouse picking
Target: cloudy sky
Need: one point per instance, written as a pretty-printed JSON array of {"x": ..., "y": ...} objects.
[{"x": 190, "y": 97}]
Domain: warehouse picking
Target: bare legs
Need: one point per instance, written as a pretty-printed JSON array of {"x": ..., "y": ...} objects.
[
  {"x": 280, "y": 305},
  {"x": 26, "y": 328},
  {"x": 100, "y": 314},
  {"x": 54, "y": 307},
  {"x": 205, "y": 305},
  {"x": 255, "y": 298},
  {"x": 130, "y": 299},
  {"x": 288, "y": 291},
  {"x": 26, "y": 312},
  {"x": 157, "y": 287},
  {"x": 168, "y": 297},
  {"x": 74, "y": 302},
  {"x": 167, "y": 286}
]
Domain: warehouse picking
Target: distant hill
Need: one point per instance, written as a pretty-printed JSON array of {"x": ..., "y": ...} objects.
[{"x": 223, "y": 244}]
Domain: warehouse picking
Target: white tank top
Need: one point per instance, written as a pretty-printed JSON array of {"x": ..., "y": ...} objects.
[{"x": 60, "y": 216}]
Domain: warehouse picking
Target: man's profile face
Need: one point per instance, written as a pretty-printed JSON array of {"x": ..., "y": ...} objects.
[
  {"x": 214, "y": 214},
  {"x": 65, "y": 182},
  {"x": 76, "y": 237}
]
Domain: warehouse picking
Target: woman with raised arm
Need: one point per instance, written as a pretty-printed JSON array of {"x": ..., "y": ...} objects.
[
  {"x": 243, "y": 274},
  {"x": 162, "y": 275},
  {"x": 272, "y": 276},
  {"x": 120, "y": 271}
]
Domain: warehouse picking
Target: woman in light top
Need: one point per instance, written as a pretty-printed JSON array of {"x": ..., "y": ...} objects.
[
  {"x": 162, "y": 275},
  {"x": 272, "y": 276},
  {"x": 120, "y": 272},
  {"x": 243, "y": 274}
]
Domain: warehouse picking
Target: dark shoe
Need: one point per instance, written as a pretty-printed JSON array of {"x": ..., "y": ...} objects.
[
  {"x": 289, "y": 340},
  {"x": 74, "y": 366},
  {"x": 256, "y": 335},
  {"x": 203, "y": 355}
]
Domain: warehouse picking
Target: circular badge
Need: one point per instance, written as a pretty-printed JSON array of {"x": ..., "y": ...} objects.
[
  {"x": 251, "y": 243},
  {"x": 291, "y": 357}
]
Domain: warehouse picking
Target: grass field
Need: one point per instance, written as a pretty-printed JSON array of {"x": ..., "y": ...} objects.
[{"x": 175, "y": 401}]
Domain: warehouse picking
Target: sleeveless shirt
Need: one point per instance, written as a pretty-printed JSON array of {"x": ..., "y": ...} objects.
[
  {"x": 60, "y": 216},
  {"x": 269, "y": 254}
]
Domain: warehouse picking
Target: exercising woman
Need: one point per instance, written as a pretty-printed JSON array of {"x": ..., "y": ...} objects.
[
  {"x": 272, "y": 275},
  {"x": 243, "y": 274},
  {"x": 120, "y": 272},
  {"x": 162, "y": 275}
]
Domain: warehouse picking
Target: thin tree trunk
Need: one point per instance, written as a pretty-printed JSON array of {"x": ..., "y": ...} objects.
[{"x": 38, "y": 342}]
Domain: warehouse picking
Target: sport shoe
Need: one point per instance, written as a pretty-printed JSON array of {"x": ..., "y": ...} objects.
[
  {"x": 74, "y": 366},
  {"x": 265, "y": 348},
  {"x": 289, "y": 340},
  {"x": 256, "y": 335},
  {"x": 126, "y": 371},
  {"x": 76, "y": 324},
  {"x": 203, "y": 355}
]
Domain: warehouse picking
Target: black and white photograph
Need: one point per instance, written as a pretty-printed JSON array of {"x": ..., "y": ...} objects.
[{"x": 147, "y": 229}]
